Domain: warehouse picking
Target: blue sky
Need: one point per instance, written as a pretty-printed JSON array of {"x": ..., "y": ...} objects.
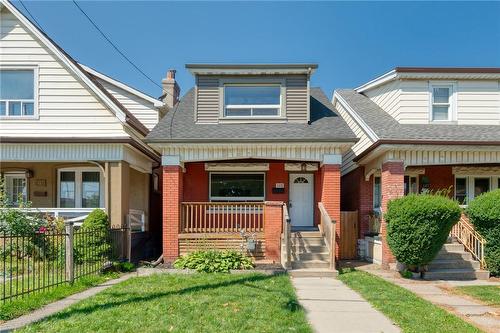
[{"x": 352, "y": 42}]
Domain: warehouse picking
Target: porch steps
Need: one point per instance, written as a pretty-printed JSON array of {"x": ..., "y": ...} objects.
[
  {"x": 454, "y": 263},
  {"x": 310, "y": 255}
]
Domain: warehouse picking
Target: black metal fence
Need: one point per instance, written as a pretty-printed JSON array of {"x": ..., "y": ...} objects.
[{"x": 39, "y": 261}]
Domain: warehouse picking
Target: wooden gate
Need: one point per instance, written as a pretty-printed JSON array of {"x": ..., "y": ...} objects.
[{"x": 348, "y": 234}]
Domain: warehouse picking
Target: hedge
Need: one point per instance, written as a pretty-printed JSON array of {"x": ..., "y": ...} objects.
[
  {"x": 484, "y": 214},
  {"x": 418, "y": 225}
]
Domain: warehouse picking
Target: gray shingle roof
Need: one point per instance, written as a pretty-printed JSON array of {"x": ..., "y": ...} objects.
[
  {"x": 387, "y": 128},
  {"x": 326, "y": 125}
]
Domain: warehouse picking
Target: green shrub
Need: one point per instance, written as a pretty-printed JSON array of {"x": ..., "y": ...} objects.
[
  {"x": 92, "y": 241},
  {"x": 418, "y": 226},
  {"x": 124, "y": 267},
  {"x": 214, "y": 261},
  {"x": 484, "y": 214}
]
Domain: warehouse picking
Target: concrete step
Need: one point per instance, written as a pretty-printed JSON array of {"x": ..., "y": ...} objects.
[
  {"x": 305, "y": 234},
  {"x": 439, "y": 264},
  {"x": 310, "y": 264},
  {"x": 323, "y": 256},
  {"x": 456, "y": 274},
  {"x": 452, "y": 247},
  {"x": 313, "y": 272},
  {"x": 307, "y": 248},
  {"x": 311, "y": 241},
  {"x": 443, "y": 255}
]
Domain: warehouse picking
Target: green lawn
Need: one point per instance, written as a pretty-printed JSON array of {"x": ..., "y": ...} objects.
[
  {"x": 487, "y": 294},
  {"x": 186, "y": 303},
  {"x": 20, "y": 306},
  {"x": 407, "y": 310}
]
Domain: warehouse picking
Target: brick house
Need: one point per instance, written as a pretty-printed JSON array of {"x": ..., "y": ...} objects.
[
  {"x": 419, "y": 129},
  {"x": 243, "y": 142}
]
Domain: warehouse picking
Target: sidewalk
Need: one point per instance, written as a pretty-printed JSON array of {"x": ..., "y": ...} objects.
[
  {"x": 485, "y": 317},
  {"x": 332, "y": 307},
  {"x": 60, "y": 305}
]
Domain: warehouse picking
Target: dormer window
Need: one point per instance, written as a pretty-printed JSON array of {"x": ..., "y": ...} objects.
[
  {"x": 442, "y": 103},
  {"x": 17, "y": 93},
  {"x": 255, "y": 100}
]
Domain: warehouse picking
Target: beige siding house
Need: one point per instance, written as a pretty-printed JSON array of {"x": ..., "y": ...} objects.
[{"x": 72, "y": 138}]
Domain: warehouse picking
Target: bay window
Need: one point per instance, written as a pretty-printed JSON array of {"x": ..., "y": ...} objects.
[
  {"x": 17, "y": 93},
  {"x": 80, "y": 188},
  {"x": 252, "y": 101},
  {"x": 237, "y": 186}
]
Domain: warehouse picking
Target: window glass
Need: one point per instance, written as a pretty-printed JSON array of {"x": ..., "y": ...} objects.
[
  {"x": 481, "y": 185},
  {"x": 441, "y": 103},
  {"x": 377, "y": 194},
  {"x": 410, "y": 185},
  {"x": 461, "y": 190},
  {"x": 237, "y": 187},
  {"x": 67, "y": 189},
  {"x": 248, "y": 101},
  {"x": 15, "y": 188},
  {"x": 3, "y": 108},
  {"x": 16, "y": 84},
  {"x": 441, "y": 95},
  {"x": 440, "y": 112},
  {"x": 90, "y": 189}
]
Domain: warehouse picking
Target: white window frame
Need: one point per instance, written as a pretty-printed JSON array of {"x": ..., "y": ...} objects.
[
  {"x": 247, "y": 106},
  {"x": 469, "y": 183},
  {"x": 17, "y": 174},
  {"x": 410, "y": 176},
  {"x": 78, "y": 185},
  {"x": 35, "y": 115},
  {"x": 452, "y": 109},
  {"x": 236, "y": 199}
]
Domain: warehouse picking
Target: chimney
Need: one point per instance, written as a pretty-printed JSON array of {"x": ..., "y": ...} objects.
[{"x": 171, "y": 90}]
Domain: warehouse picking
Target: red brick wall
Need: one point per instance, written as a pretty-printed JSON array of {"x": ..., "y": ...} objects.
[
  {"x": 330, "y": 196},
  {"x": 172, "y": 197},
  {"x": 392, "y": 188},
  {"x": 440, "y": 177},
  {"x": 365, "y": 204},
  {"x": 276, "y": 174},
  {"x": 195, "y": 182},
  {"x": 273, "y": 217}
]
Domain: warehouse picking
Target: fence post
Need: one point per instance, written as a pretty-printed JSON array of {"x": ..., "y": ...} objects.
[
  {"x": 70, "y": 268},
  {"x": 129, "y": 239},
  {"x": 333, "y": 234}
]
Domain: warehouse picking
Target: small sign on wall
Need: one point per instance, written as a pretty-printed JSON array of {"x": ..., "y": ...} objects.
[
  {"x": 41, "y": 182},
  {"x": 279, "y": 188}
]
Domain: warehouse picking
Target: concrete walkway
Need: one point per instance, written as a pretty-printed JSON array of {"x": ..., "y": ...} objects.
[
  {"x": 332, "y": 307},
  {"x": 60, "y": 305},
  {"x": 484, "y": 317}
]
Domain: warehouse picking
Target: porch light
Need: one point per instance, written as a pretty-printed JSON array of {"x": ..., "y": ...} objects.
[{"x": 28, "y": 174}]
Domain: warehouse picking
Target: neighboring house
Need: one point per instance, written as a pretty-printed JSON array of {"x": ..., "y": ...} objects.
[
  {"x": 244, "y": 141},
  {"x": 72, "y": 139},
  {"x": 420, "y": 129}
]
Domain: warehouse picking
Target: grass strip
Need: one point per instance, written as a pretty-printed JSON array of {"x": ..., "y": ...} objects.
[{"x": 489, "y": 295}]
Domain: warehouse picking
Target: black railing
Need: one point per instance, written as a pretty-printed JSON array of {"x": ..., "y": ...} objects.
[{"x": 36, "y": 262}]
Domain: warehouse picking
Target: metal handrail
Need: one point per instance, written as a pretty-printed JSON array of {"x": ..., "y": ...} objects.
[
  {"x": 287, "y": 234},
  {"x": 473, "y": 242}
]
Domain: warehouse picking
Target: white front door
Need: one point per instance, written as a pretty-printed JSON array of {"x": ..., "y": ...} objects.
[{"x": 302, "y": 200}]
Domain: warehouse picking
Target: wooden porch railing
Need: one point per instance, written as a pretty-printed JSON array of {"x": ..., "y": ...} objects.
[
  {"x": 473, "y": 242},
  {"x": 217, "y": 217},
  {"x": 287, "y": 237},
  {"x": 327, "y": 228}
]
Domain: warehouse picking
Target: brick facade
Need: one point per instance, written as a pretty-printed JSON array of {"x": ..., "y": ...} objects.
[
  {"x": 330, "y": 196},
  {"x": 392, "y": 184},
  {"x": 273, "y": 217},
  {"x": 172, "y": 197}
]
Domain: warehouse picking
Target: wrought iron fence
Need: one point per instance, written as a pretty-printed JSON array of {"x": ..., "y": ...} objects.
[{"x": 36, "y": 262}]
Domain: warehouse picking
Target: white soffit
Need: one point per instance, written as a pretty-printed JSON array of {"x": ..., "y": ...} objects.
[{"x": 237, "y": 166}]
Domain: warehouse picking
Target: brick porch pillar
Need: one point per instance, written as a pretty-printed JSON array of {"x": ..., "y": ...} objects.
[
  {"x": 172, "y": 197},
  {"x": 330, "y": 192},
  {"x": 273, "y": 220},
  {"x": 392, "y": 185}
]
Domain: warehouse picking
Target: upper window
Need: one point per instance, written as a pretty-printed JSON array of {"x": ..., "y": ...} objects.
[
  {"x": 237, "y": 186},
  {"x": 17, "y": 93},
  {"x": 252, "y": 101},
  {"x": 441, "y": 100}
]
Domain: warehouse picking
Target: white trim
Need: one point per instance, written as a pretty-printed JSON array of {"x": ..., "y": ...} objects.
[
  {"x": 67, "y": 62},
  {"x": 36, "y": 87},
  {"x": 369, "y": 132},
  {"x": 332, "y": 159},
  {"x": 78, "y": 185},
  {"x": 235, "y": 198},
  {"x": 133, "y": 91},
  {"x": 389, "y": 76},
  {"x": 236, "y": 166},
  {"x": 169, "y": 160},
  {"x": 16, "y": 175},
  {"x": 452, "y": 104},
  {"x": 264, "y": 70}
]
